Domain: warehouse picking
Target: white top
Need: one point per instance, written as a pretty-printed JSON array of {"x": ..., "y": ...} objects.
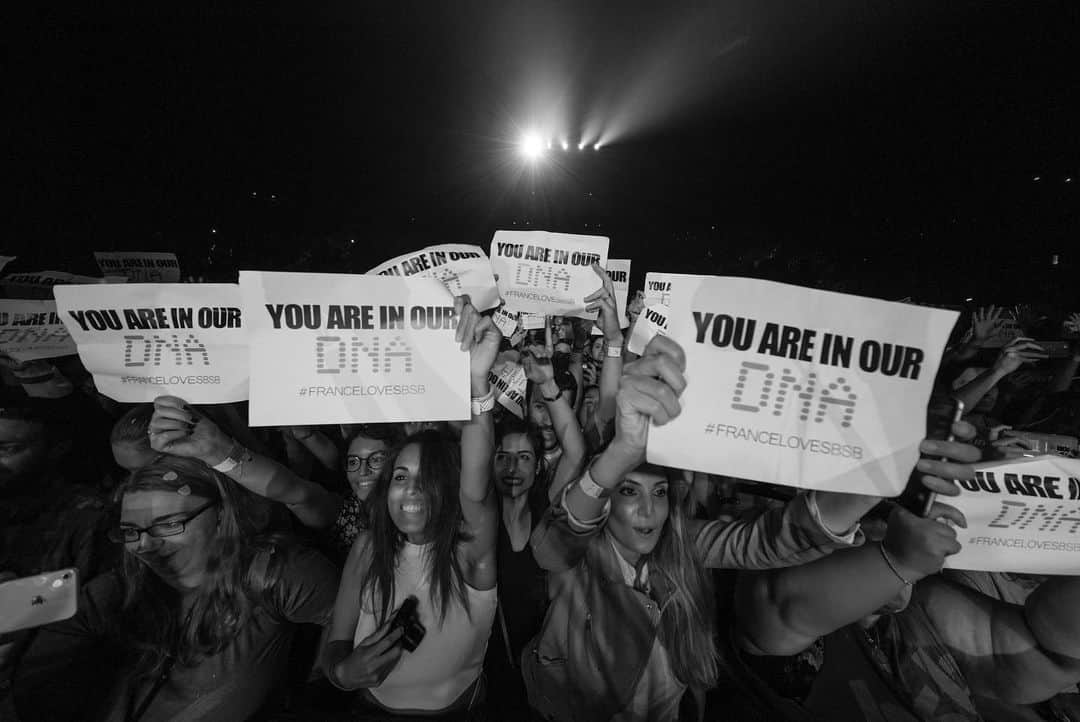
[{"x": 451, "y": 655}]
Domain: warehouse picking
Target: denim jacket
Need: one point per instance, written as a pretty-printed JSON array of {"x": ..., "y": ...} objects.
[{"x": 585, "y": 663}]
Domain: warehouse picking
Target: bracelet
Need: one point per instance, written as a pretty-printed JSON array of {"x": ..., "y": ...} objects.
[
  {"x": 590, "y": 488},
  {"x": 885, "y": 556},
  {"x": 231, "y": 460},
  {"x": 614, "y": 351},
  {"x": 481, "y": 404}
]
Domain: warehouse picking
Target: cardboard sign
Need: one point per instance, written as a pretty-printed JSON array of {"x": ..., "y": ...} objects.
[
  {"x": 144, "y": 340},
  {"x": 140, "y": 266},
  {"x": 463, "y": 269},
  {"x": 510, "y": 382},
  {"x": 618, "y": 270},
  {"x": 658, "y": 289},
  {"x": 39, "y": 285},
  {"x": 1023, "y": 516},
  {"x": 331, "y": 348},
  {"x": 32, "y": 330},
  {"x": 547, "y": 273},
  {"x": 532, "y": 321},
  {"x": 800, "y": 387}
]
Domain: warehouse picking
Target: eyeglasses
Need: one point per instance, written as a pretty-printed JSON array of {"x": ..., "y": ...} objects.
[
  {"x": 130, "y": 534},
  {"x": 374, "y": 461}
]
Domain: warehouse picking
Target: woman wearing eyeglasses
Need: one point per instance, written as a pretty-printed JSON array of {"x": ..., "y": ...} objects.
[{"x": 203, "y": 611}]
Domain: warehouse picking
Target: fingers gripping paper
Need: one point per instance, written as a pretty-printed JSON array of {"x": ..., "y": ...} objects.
[
  {"x": 547, "y": 273},
  {"x": 800, "y": 387},
  {"x": 144, "y": 340},
  {"x": 463, "y": 269},
  {"x": 339, "y": 348},
  {"x": 32, "y": 330},
  {"x": 1023, "y": 516}
]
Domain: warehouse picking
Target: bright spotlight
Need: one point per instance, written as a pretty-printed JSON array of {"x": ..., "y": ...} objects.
[
  {"x": 581, "y": 145},
  {"x": 531, "y": 146},
  {"x": 596, "y": 146},
  {"x": 565, "y": 145}
]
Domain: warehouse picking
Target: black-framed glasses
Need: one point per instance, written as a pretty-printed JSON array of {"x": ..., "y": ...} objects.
[
  {"x": 129, "y": 534},
  {"x": 375, "y": 461}
]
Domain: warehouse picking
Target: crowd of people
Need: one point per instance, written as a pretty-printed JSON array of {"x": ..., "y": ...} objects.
[{"x": 519, "y": 566}]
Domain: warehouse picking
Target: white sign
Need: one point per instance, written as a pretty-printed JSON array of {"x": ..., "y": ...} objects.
[
  {"x": 506, "y": 322},
  {"x": 652, "y": 321},
  {"x": 32, "y": 330},
  {"x": 533, "y": 321},
  {"x": 1023, "y": 516},
  {"x": 40, "y": 284},
  {"x": 339, "y": 348},
  {"x": 547, "y": 273},
  {"x": 658, "y": 288},
  {"x": 463, "y": 269},
  {"x": 509, "y": 382},
  {"x": 141, "y": 341},
  {"x": 140, "y": 266},
  {"x": 619, "y": 271},
  {"x": 800, "y": 387}
]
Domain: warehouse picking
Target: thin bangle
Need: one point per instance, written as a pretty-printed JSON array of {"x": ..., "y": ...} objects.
[{"x": 885, "y": 556}]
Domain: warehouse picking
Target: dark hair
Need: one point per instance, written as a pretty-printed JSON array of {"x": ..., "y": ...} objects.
[
  {"x": 392, "y": 434},
  {"x": 440, "y": 478},
  {"x": 133, "y": 426},
  {"x": 513, "y": 425},
  {"x": 224, "y": 603}
]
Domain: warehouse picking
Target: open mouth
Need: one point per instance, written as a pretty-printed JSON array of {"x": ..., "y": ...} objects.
[
  {"x": 412, "y": 507},
  {"x": 645, "y": 530},
  {"x": 511, "y": 480}
]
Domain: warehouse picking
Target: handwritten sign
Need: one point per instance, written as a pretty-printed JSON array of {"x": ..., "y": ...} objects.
[
  {"x": 339, "y": 348},
  {"x": 795, "y": 386},
  {"x": 32, "y": 330},
  {"x": 144, "y": 340},
  {"x": 509, "y": 382},
  {"x": 1023, "y": 516},
  {"x": 547, "y": 273},
  {"x": 463, "y": 269},
  {"x": 505, "y": 321},
  {"x": 140, "y": 266},
  {"x": 618, "y": 269}
]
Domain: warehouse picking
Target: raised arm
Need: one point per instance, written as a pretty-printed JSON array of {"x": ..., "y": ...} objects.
[
  {"x": 1012, "y": 357},
  {"x": 479, "y": 336},
  {"x": 536, "y": 360},
  {"x": 318, "y": 444},
  {"x": 985, "y": 323},
  {"x": 179, "y": 429},
  {"x": 603, "y": 301}
]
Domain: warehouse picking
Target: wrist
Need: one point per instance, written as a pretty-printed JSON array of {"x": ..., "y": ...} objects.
[
  {"x": 899, "y": 567},
  {"x": 615, "y": 462},
  {"x": 549, "y": 389},
  {"x": 219, "y": 451},
  {"x": 480, "y": 386}
]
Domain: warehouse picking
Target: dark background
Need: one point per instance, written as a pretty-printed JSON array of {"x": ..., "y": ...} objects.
[{"x": 881, "y": 147}]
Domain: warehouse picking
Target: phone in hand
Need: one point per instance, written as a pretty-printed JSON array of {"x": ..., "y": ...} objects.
[
  {"x": 916, "y": 497},
  {"x": 1056, "y": 349},
  {"x": 38, "y": 600},
  {"x": 408, "y": 618}
]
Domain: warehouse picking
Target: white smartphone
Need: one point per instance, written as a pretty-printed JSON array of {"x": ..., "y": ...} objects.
[{"x": 38, "y": 600}]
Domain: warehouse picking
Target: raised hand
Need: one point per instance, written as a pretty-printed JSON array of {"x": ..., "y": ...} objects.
[
  {"x": 536, "y": 360},
  {"x": 603, "y": 300},
  {"x": 177, "y": 428},
  {"x": 1022, "y": 350},
  {"x": 478, "y": 335},
  {"x": 985, "y": 324},
  {"x": 649, "y": 390}
]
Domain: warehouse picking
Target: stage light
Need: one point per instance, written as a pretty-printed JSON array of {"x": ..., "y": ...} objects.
[
  {"x": 581, "y": 145},
  {"x": 531, "y": 146},
  {"x": 565, "y": 145},
  {"x": 596, "y": 146}
]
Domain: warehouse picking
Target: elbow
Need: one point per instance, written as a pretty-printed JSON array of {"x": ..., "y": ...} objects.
[{"x": 767, "y": 616}]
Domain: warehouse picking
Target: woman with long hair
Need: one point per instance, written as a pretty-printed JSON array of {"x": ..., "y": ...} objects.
[
  {"x": 630, "y": 632},
  {"x": 208, "y": 609},
  {"x": 417, "y": 596}
]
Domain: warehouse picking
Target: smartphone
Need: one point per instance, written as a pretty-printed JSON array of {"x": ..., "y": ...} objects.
[
  {"x": 38, "y": 600},
  {"x": 1056, "y": 349},
  {"x": 408, "y": 618},
  {"x": 917, "y": 498},
  {"x": 958, "y": 413}
]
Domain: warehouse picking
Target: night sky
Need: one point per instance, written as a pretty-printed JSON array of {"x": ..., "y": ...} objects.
[{"x": 901, "y": 133}]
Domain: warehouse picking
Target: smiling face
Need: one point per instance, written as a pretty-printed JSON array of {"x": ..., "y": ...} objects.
[
  {"x": 516, "y": 464},
  {"x": 639, "y": 510},
  {"x": 179, "y": 560},
  {"x": 363, "y": 479},
  {"x": 406, "y": 500}
]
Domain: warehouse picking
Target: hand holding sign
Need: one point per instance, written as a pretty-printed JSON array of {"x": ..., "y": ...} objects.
[
  {"x": 478, "y": 335},
  {"x": 603, "y": 300},
  {"x": 649, "y": 390},
  {"x": 917, "y": 545},
  {"x": 176, "y": 428},
  {"x": 1022, "y": 350}
]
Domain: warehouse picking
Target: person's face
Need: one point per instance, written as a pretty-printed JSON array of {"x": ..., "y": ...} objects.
[
  {"x": 639, "y": 510},
  {"x": 563, "y": 347},
  {"x": 538, "y": 414},
  {"x": 634, "y": 306},
  {"x": 515, "y": 466},
  {"x": 564, "y": 329},
  {"x": 596, "y": 348},
  {"x": 131, "y": 456},
  {"x": 24, "y": 451},
  {"x": 179, "y": 560},
  {"x": 371, "y": 455},
  {"x": 409, "y": 506}
]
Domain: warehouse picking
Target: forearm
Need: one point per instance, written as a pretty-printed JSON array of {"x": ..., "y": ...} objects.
[
  {"x": 840, "y": 511},
  {"x": 477, "y": 448},
  {"x": 609, "y": 469},
  {"x": 567, "y": 429},
  {"x": 322, "y": 448},
  {"x": 972, "y": 393},
  {"x": 1053, "y": 615},
  {"x": 1064, "y": 375},
  {"x": 781, "y": 612},
  {"x": 609, "y": 389}
]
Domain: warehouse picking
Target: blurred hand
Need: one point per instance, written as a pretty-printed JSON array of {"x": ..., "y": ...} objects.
[
  {"x": 478, "y": 335},
  {"x": 536, "y": 360},
  {"x": 177, "y": 428},
  {"x": 1022, "y": 350},
  {"x": 985, "y": 324}
]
